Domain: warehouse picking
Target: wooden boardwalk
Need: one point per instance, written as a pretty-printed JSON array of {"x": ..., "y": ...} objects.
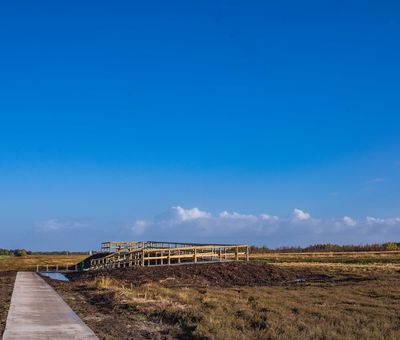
[
  {"x": 38, "y": 312},
  {"x": 153, "y": 253}
]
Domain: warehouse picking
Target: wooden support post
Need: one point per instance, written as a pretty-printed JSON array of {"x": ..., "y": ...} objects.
[
  {"x": 247, "y": 254},
  {"x": 143, "y": 256},
  {"x": 47, "y": 267},
  {"x": 195, "y": 255},
  {"x": 179, "y": 258},
  {"x": 237, "y": 253},
  {"x": 37, "y": 267},
  {"x": 169, "y": 257},
  {"x": 161, "y": 255}
]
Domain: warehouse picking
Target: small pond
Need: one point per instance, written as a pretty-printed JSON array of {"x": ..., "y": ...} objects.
[{"x": 55, "y": 276}]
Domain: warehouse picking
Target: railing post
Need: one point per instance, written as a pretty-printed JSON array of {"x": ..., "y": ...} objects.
[
  {"x": 47, "y": 267},
  {"x": 247, "y": 254},
  {"x": 237, "y": 253},
  {"x": 37, "y": 267},
  {"x": 195, "y": 255},
  {"x": 169, "y": 257}
]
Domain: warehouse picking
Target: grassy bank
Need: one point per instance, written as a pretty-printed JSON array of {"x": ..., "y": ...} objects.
[
  {"x": 15, "y": 263},
  {"x": 340, "y": 304}
]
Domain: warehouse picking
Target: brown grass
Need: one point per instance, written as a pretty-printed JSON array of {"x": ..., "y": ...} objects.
[
  {"x": 365, "y": 309},
  {"x": 6, "y": 286},
  {"x": 351, "y": 261},
  {"x": 29, "y": 262},
  {"x": 354, "y": 301},
  {"x": 360, "y": 299}
]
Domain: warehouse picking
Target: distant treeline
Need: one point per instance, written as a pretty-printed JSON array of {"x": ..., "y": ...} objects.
[
  {"x": 329, "y": 248},
  {"x": 25, "y": 252}
]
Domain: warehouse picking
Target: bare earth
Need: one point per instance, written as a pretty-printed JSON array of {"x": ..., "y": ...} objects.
[{"x": 7, "y": 279}]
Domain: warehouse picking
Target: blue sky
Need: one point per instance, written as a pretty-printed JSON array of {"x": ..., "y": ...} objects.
[{"x": 154, "y": 119}]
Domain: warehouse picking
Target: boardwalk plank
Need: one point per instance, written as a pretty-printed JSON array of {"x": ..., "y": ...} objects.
[{"x": 38, "y": 312}]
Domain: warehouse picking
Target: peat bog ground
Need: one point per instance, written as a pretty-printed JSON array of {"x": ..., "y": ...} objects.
[
  {"x": 323, "y": 298},
  {"x": 236, "y": 300}
]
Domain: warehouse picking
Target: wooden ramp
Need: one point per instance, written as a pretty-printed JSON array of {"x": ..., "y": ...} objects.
[{"x": 38, "y": 312}]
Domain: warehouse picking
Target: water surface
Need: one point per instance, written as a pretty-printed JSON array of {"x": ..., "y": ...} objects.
[{"x": 55, "y": 276}]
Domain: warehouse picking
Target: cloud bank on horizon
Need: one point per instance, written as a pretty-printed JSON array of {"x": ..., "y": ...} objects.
[{"x": 299, "y": 228}]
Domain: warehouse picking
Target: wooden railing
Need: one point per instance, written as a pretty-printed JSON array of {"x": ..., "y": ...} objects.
[
  {"x": 152, "y": 253},
  {"x": 113, "y": 247},
  {"x": 57, "y": 268}
]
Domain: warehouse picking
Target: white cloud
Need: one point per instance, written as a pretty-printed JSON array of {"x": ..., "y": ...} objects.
[
  {"x": 382, "y": 221},
  {"x": 349, "y": 221},
  {"x": 190, "y": 214},
  {"x": 195, "y": 225},
  {"x": 374, "y": 220},
  {"x": 139, "y": 227},
  {"x": 300, "y": 215},
  {"x": 57, "y": 224},
  {"x": 235, "y": 215},
  {"x": 178, "y": 214},
  {"x": 266, "y": 217}
]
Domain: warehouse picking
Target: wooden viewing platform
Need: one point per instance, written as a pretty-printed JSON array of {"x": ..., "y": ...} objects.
[{"x": 150, "y": 253}]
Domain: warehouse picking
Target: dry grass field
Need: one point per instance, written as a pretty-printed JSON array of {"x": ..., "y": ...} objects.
[
  {"x": 311, "y": 296},
  {"x": 347, "y": 296},
  {"x": 349, "y": 261},
  {"x": 29, "y": 262}
]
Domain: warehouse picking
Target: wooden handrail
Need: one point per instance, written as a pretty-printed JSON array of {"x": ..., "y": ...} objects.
[{"x": 145, "y": 253}]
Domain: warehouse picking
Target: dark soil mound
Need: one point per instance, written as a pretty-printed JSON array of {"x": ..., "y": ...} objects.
[{"x": 219, "y": 274}]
